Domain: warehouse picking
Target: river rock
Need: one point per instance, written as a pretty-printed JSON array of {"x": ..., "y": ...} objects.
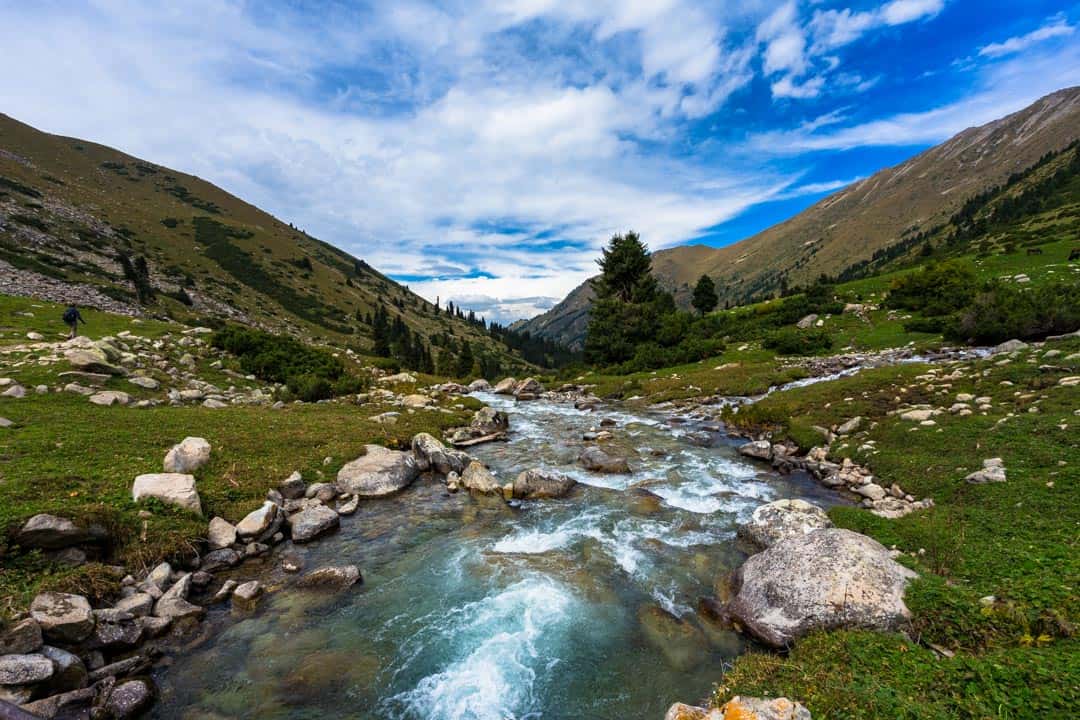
[
  {"x": 505, "y": 386},
  {"x": 174, "y": 605},
  {"x": 528, "y": 389},
  {"x": 258, "y": 523},
  {"x": 221, "y": 533},
  {"x": 479, "y": 479},
  {"x": 323, "y": 492},
  {"x": 247, "y": 594},
  {"x": 49, "y": 532},
  {"x": 683, "y": 644},
  {"x": 24, "y": 669},
  {"x": 538, "y": 483},
  {"x": 377, "y": 473},
  {"x": 69, "y": 671},
  {"x": 479, "y": 385},
  {"x": 594, "y": 459},
  {"x": 93, "y": 360},
  {"x": 780, "y": 520},
  {"x": 828, "y": 579},
  {"x": 63, "y": 617},
  {"x": 170, "y": 488},
  {"x": 340, "y": 576},
  {"x": 139, "y": 604},
  {"x": 21, "y": 638},
  {"x": 219, "y": 559},
  {"x": 309, "y": 524},
  {"x": 128, "y": 699},
  {"x": 292, "y": 487},
  {"x": 760, "y": 449},
  {"x": 187, "y": 456},
  {"x": 488, "y": 421},
  {"x": 433, "y": 455}
]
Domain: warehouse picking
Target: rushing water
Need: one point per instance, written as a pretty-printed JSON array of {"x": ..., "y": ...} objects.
[{"x": 473, "y": 610}]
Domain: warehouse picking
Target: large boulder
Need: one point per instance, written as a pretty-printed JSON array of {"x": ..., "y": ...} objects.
[
  {"x": 63, "y": 617},
  {"x": 309, "y": 524},
  {"x": 49, "y": 532},
  {"x": 170, "y": 488},
  {"x": 528, "y": 389},
  {"x": 825, "y": 580},
  {"x": 378, "y": 472},
  {"x": 759, "y": 449},
  {"x": 93, "y": 360},
  {"x": 187, "y": 456},
  {"x": 780, "y": 520},
  {"x": 505, "y": 386},
  {"x": 595, "y": 459},
  {"x": 431, "y": 454},
  {"x": 537, "y": 483},
  {"x": 24, "y": 669},
  {"x": 479, "y": 479},
  {"x": 479, "y": 385}
]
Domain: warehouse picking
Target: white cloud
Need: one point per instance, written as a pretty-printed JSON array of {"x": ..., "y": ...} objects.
[
  {"x": 899, "y": 12},
  {"x": 1058, "y": 27}
]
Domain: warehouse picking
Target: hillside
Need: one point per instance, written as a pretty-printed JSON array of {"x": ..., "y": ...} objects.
[
  {"x": 84, "y": 222},
  {"x": 846, "y": 229}
]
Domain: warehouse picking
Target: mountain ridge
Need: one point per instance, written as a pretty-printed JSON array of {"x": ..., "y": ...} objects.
[{"x": 850, "y": 225}]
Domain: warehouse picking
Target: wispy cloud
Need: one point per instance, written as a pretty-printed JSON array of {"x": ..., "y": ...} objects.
[{"x": 1057, "y": 27}]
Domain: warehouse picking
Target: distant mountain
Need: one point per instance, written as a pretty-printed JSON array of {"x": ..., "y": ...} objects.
[
  {"x": 846, "y": 229},
  {"x": 85, "y": 221}
]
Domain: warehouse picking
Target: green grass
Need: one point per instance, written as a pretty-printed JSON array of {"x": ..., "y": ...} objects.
[
  {"x": 20, "y": 315},
  {"x": 1017, "y": 541}
]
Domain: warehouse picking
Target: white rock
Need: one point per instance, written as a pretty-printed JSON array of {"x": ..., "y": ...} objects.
[{"x": 171, "y": 488}]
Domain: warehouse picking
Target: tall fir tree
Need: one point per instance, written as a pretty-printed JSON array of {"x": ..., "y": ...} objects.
[{"x": 705, "y": 298}]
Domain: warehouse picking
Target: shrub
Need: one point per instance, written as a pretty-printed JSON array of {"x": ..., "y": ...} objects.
[
  {"x": 937, "y": 289},
  {"x": 277, "y": 358},
  {"x": 791, "y": 341},
  {"x": 310, "y": 388},
  {"x": 1002, "y": 312}
]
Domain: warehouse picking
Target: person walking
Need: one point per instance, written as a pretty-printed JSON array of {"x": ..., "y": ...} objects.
[{"x": 72, "y": 318}]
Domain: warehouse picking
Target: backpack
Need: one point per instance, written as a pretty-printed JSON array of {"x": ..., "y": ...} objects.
[{"x": 70, "y": 315}]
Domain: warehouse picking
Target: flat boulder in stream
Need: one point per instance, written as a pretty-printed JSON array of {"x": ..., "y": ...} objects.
[
  {"x": 595, "y": 459},
  {"x": 378, "y": 472},
  {"x": 537, "y": 484},
  {"x": 309, "y": 524},
  {"x": 829, "y": 579}
]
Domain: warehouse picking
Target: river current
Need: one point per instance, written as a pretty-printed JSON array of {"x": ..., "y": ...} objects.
[{"x": 473, "y": 610}]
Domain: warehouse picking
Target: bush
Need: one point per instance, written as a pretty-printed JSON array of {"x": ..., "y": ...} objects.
[
  {"x": 937, "y": 289},
  {"x": 1002, "y": 312},
  {"x": 310, "y": 374},
  {"x": 791, "y": 341}
]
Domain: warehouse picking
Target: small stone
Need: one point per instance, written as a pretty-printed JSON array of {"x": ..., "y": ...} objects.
[{"x": 247, "y": 594}]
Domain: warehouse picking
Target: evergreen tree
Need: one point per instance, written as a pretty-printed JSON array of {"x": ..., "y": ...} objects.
[
  {"x": 704, "y": 299},
  {"x": 464, "y": 361},
  {"x": 380, "y": 332}
]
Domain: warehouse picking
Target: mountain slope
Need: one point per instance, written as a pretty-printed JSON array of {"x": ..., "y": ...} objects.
[
  {"x": 73, "y": 213},
  {"x": 848, "y": 227}
]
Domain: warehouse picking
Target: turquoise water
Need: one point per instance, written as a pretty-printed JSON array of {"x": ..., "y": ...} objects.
[{"x": 472, "y": 610}]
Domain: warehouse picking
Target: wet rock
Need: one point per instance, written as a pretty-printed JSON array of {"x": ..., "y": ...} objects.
[
  {"x": 827, "y": 579},
  {"x": 309, "y": 524},
  {"x": 63, "y": 617},
  {"x": 681, "y": 711},
  {"x": 431, "y": 454},
  {"x": 69, "y": 705},
  {"x": 760, "y": 449},
  {"x": 479, "y": 479},
  {"x": 174, "y": 604},
  {"x": 780, "y": 520},
  {"x": 259, "y": 522},
  {"x": 347, "y": 505},
  {"x": 528, "y": 389},
  {"x": 489, "y": 421},
  {"x": 21, "y": 638},
  {"x": 49, "y": 532},
  {"x": 292, "y": 563},
  {"x": 324, "y": 492},
  {"x": 247, "y": 595},
  {"x": 292, "y": 487},
  {"x": 24, "y": 669},
  {"x": 340, "y": 576},
  {"x": 220, "y": 559},
  {"x": 221, "y": 533},
  {"x": 377, "y": 473},
  {"x": 538, "y": 483},
  {"x": 683, "y": 644},
  {"x": 594, "y": 459},
  {"x": 225, "y": 591},
  {"x": 187, "y": 456},
  {"x": 69, "y": 672},
  {"x": 128, "y": 699},
  {"x": 170, "y": 488}
]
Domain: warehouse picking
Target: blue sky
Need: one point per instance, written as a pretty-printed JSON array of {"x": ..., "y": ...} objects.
[{"x": 484, "y": 150}]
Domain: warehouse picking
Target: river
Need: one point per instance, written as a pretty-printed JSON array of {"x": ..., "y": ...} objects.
[{"x": 473, "y": 610}]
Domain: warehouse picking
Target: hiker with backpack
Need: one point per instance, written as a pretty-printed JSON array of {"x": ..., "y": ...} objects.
[{"x": 72, "y": 318}]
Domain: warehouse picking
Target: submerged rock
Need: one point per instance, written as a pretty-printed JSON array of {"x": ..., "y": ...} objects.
[
  {"x": 340, "y": 576},
  {"x": 683, "y": 644},
  {"x": 782, "y": 519},
  {"x": 378, "y": 472},
  {"x": 825, "y": 580}
]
